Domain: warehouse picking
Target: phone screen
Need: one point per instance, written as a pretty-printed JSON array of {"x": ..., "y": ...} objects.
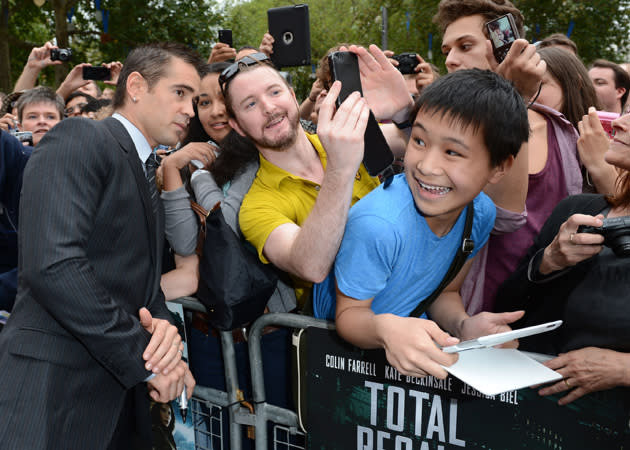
[{"x": 502, "y": 32}]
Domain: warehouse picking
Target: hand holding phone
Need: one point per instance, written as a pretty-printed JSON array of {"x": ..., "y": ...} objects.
[
  {"x": 606, "y": 118},
  {"x": 377, "y": 156},
  {"x": 502, "y": 32}
]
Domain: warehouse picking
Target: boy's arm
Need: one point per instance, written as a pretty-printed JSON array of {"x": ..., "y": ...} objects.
[
  {"x": 449, "y": 313},
  {"x": 409, "y": 342}
]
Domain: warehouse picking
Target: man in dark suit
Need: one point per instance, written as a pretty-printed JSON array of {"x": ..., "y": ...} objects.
[{"x": 90, "y": 335}]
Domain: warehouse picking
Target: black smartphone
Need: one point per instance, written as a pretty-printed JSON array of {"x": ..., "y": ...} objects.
[
  {"x": 225, "y": 36},
  {"x": 377, "y": 156},
  {"x": 502, "y": 33},
  {"x": 98, "y": 73},
  {"x": 290, "y": 28}
]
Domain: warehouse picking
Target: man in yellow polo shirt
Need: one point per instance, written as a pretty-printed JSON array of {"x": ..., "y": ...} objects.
[{"x": 296, "y": 209}]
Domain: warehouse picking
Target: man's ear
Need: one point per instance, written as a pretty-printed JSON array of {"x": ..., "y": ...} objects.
[
  {"x": 234, "y": 125},
  {"x": 500, "y": 170},
  {"x": 136, "y": 85},
  {"x": 620, "y": 92}
]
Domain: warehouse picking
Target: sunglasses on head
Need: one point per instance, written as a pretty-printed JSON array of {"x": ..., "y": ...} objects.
[{"x": 246, "y": 61}]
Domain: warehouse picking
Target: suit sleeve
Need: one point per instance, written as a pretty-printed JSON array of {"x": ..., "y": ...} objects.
[{"x": 68, "y": 176}]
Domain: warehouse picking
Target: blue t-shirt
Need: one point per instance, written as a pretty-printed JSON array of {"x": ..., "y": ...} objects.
[{"x": 389, "y": 253}]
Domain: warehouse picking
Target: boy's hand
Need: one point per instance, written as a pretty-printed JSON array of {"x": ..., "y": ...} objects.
[
  {"x": 383, "y": 85},
  {"x": 486, "y": 323},
  {"x": 410, "y": 345}
]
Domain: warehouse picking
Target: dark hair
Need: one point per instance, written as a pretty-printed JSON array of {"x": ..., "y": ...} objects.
[
  {"x": 451, "y": 10},
  {"x": 236, "y": 151},
  {"x": 578, "y": 92},
  {"x": 76, "y": 94},
  {"x": 40, "y": 94},
  {"x": 196, "y": 132},
  {"x": 152, "y": 62},
  {"x": 622, "y": 78},
  {"x": 96, "y": 104},
  {"x": 484, "y": 101},
  {"x": 558, "y": 39}
]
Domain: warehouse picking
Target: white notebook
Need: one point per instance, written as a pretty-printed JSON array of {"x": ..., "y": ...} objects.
[{"x": 495, "y": 370}]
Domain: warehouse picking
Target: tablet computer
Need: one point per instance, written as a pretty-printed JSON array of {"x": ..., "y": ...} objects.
[
  {"x": 501, "y": 338},
  {"x": 290, "y": 28}
]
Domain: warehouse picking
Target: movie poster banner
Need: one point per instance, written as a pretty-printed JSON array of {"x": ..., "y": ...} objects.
[{"x": 356, "y": 400}]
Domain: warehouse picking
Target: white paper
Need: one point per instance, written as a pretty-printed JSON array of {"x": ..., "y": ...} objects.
[{"x": 495, "y": 370}]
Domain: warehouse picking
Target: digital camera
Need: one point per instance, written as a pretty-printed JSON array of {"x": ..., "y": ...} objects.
[
  {"x": 616, "y": 232},
  {"x": 24, "y": 136},
  {"x": 60, "y": 54},
  {"x": 407, "y": 62}
]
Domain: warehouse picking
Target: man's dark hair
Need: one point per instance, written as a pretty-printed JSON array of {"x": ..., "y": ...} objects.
[
  {"x": 484, "y": 101},
  {"x": 558, "y": 39},
  {"x": 451, "y": 10},
  {"x": 152, "y": 61},
  {"x": 622, "y": 78},
  {"x": 76, "y": 94},
  {"x": 578, "y": 92},
  {"x": 40, "y": 94}
]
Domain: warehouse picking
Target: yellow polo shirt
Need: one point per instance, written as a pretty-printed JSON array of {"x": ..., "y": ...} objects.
[{"x": 277, "y": 197}]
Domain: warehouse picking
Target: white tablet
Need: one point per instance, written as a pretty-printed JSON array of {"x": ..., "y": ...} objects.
[{"x": 500, "y": 338}]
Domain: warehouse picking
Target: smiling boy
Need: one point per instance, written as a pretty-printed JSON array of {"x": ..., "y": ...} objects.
[
  {"x": 400, "y": 240},
  {"x": 39, "y": 109}
]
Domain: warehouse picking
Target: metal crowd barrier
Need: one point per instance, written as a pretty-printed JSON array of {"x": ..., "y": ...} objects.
[{"x": 285, "y": 421}]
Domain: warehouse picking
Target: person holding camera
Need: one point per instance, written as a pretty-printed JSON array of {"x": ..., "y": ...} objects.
[
  {"x": 578, "y": 270},
  {"x": 38, "y": 110}
]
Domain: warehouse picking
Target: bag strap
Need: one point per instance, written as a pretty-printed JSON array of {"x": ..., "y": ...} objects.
[
  {"x": 202, "y": 214},
  {"x": 468, "y": 245}
]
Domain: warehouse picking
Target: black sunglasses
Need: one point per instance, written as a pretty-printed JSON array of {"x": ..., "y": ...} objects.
[{"x": 246, "y": 61}]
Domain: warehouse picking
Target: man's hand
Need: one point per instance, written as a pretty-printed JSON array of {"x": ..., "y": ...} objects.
[
  {"x": 39, "y": 57},
  {"x": 522, "y": 66},
  {"x": 221, "y": 52},
  {"x": 73, "y": 81},
  {"x": 486, "y": 323},
  {"x": 114, "y": 67},
  {"x": 410, "y": 345},
  {"x": 341, "y": 133},
  {"x": 266, "y": 45},
  {"x": 167, "y": 387},
  {"x": 424, "y": 73},
  {"x": 587, "y": 370},
  {"x": 165, "y": 348},
  {"x": 383, "y": 85}
]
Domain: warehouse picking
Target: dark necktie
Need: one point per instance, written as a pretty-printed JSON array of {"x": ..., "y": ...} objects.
[{"x": 151, "y": 165}]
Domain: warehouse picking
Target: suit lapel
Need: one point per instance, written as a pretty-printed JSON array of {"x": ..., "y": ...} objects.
[{"x": 153, "y": 227}]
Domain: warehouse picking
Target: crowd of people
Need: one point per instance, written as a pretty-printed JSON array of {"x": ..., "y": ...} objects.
[{"x": 97, "y": 231}]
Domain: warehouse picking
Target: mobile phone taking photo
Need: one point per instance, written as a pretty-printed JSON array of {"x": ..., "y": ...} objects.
[
  {"x": 97, "y": 73},
  {"x": 502, "y": 32},
  {"x": 606, "y": 118},
  {"x": 377, "y": 156},
  {"x": 225, "y": 37}
]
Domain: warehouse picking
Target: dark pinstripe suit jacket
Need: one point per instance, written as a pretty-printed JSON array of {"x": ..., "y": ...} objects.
[{"x": 89, "y": 259}]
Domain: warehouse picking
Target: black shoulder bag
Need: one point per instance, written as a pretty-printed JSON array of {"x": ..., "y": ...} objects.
[{"x": 234, "y": 285}]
